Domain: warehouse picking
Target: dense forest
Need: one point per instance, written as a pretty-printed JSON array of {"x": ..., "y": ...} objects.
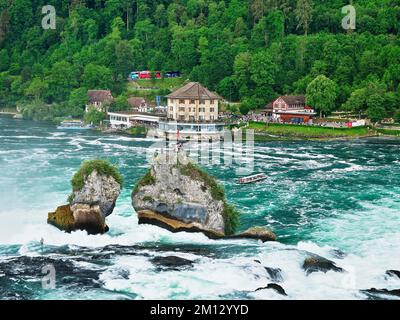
[{"x": 246, "y": 50}]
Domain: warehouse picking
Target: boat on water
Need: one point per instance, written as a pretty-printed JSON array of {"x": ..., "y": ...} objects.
[
  {"x": 253, "y": 178},
  {"x": 74, "y": 125}
]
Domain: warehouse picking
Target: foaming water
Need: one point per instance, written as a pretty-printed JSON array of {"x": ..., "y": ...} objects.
[{"x": 339, "y": 200}]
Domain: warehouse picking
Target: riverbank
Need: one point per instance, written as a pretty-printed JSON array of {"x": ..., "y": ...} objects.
[{"x": 265, "y": 131}]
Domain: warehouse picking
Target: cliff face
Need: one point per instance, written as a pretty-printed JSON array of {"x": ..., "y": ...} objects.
[
  {"x": 98, "y": 190},
  {"x": 92, "y": 200},
  {"x": 176, "y": 189}
]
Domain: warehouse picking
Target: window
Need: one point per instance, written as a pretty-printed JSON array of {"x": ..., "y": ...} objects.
[
  {"x": 181, "y": 117},
  {"x": 182, "y": 101},
  {"x": 211, "y": 101},
  {"x": 211, "y": 109},
  {"x": 171, "y": 109},
  {"x": 202, "y": 101},
  {"x": 182, "y": 109},
  {"x": 192, "y": 101},
  {"x": 202, "y": 109}
]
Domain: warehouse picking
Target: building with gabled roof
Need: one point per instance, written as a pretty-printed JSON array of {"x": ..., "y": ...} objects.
[
  {"x": 289, "y": 109},
  {"x": 138, "y": 104},
  {"x": 193, "y": 103},
  {"x": 98, "y": 99}
]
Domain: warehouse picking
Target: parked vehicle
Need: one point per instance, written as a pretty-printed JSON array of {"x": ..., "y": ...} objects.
[
  {"x": 146, "y": 74},
  {"x": 172, "y": 74},
  {"x": 134, "y": 75}
]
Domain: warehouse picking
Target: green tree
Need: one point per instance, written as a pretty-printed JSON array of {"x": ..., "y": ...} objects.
[
  {"x": 227, "y": 88},
  {"x": 303, "y": 13},
  {"x": 94, "y": 116},
  {"x": 97, "y": 77},
  {"x": 376, "y": 112},
  {"x": 78, "y": 98},
  {"x": 397, "y": 116},
  {"x": 322, "y": 94},
  {"x": 36, "y": 89},
  {"x": 241, "y": 73},
  {"x": 4, "y": 60},
  {"x": 62, "y": 79},
  {"x": 119, "y": 104},
  {"x": 357, "y": 101},
  {"x": 258, "y": 8},
  {"x": 124, "y": 58},
  {"x": 21, "y": 15},
  {"x": 247, "y": 105},
  {"x": 263, "y": 72}
]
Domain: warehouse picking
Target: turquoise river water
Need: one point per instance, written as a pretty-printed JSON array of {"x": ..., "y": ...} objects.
[{"x": 337, "y": 199}]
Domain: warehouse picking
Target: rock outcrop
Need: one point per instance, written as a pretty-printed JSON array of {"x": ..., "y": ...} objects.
[
  {"x": 257, "y": 233},
  {"x": 393, "y": 273},
  {"x": 319, "y": 264},
  {"x": 171, "y": 262},
  {"x": 174, "y": 225},
  {"x": 378, "y": 293},
  {"x": 177, "y": 195},
  {"x": 96, "y": 187},
  {"x": 275, "y": 287},
  {"x": 176, "y": 189}
]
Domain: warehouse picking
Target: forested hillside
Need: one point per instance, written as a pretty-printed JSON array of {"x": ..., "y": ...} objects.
[{"x": 247, "y": 50}]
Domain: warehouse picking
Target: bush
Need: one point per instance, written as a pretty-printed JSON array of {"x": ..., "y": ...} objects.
[
  {"x": 231, "y": 218},
  {"x": 94, "y": 116},
  {"x": 138, "y": 131},
  {"x": 146, "y": 180},
  {"x": 244, "y": 109},
  {"x": 397, "y": 116},
  {"x": 40, "y": 111},
  {"x": 101, "y": 166}
]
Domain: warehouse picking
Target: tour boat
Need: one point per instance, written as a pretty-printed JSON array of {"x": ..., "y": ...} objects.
[
  {"x": 253, "y": 178},
  {"x": 74, "y": 125}
]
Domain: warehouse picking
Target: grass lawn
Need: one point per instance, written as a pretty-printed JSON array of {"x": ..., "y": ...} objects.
[
  {"x": 303, "y": 131},
  {"x": 166, "y": 83},
  {"x": 389, "y": 132},
  {"x": 149, "y": 89}
]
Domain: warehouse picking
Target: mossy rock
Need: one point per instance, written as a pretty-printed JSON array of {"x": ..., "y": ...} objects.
[
  {"x": 62, "y": 218},
  {"x": 102, "y": 167},
  {"x": 257, "y": 233},
  {"x": 230, "y": 214},
  {"x": 146, "y": 180}
]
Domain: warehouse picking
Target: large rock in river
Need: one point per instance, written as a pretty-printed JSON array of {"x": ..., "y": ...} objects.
[
  {"x": 177, "y": 189},
  {"x": 96, "y": 187},
  {"x": 177, "y": 195}
]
